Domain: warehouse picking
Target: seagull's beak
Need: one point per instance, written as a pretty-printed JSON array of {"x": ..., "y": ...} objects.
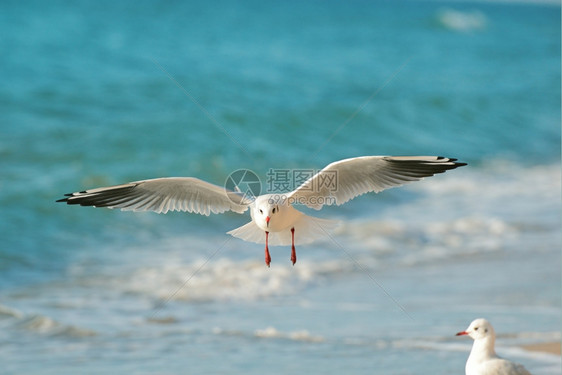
[
  {"x": 462, "y": 333},
  {"x": 267, "y": 218}
]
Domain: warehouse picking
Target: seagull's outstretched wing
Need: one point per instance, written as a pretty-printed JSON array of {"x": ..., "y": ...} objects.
[
  {"x": 162, "y": 195},
  {"x": 343, "y": 180}
]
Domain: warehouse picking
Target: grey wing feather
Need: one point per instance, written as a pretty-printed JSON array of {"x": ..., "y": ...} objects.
[
  {"x": 162, "y": 195},
  {"x": 346, "y": 179}
]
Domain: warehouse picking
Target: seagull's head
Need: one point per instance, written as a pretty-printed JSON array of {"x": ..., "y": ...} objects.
[
  {"x": 478, "y": 329},
  {"x": 266, "y": 209}
]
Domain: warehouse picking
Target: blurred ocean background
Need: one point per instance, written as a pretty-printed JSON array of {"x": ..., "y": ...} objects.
[{"x": 106, "y": 92}]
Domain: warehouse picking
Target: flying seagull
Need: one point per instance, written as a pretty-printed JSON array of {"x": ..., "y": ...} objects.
[
  {"x": 483, "y": 359},
  {"x": 272, "y": 214}
]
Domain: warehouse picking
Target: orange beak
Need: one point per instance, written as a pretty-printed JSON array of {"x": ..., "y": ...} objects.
[
  {"x": 462, "y": 333},
  {"x": 267, "y": 218}
]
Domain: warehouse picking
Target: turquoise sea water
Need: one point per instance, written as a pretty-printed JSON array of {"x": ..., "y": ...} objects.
[{"x": 100, "y": 93}]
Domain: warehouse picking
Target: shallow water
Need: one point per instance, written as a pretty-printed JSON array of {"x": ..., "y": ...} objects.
[{"x": 98, "y": 94}]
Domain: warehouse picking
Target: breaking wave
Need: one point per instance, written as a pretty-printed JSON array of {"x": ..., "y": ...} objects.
[
  {"x": 41, "y": 324},
  {"x": 461, "y": 20}
]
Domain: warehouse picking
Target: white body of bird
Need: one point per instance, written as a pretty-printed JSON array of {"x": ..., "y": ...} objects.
[{"x": 483, "y": 359}]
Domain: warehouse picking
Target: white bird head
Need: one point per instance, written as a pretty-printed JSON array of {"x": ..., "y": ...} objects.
[
  {"x": 479, "y": 329},
  {"x": 267, "y": 208}
]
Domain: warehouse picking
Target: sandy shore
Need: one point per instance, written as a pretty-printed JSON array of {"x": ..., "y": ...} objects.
[{"x": 547, "y": 347}]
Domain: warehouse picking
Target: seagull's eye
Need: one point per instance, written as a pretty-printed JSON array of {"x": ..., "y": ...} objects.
[
  {"x": 261, "y": 212},
  {"x": 273, "y": 210},
  {"x": 476, "y": 328}
]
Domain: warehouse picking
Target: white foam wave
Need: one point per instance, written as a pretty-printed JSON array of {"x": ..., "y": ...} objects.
[
  {"x": 273, "y": 333},
  {"x": 461, "y": 20},
  {"x": 221, "y": 279},
  {"x": 477, "y": 211},
  {"x": 415, "y": 243},
  {"x": 172, "y": 275},
  {"x": 46, "y": 325},
  {"x": 40, "y": 324},
  {"x": 8, "y": 312}
]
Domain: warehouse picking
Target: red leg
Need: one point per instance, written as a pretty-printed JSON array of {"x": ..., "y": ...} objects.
[
  {"x": 293, "y": 252},
  {"x": 267, "y": 256}
]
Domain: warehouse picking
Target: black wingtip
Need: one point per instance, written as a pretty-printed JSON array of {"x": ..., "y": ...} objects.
[
  {"x": 68, "y": 195},
  {"x": 450, "y": 159},
  {"x": 453, "y": 160}
]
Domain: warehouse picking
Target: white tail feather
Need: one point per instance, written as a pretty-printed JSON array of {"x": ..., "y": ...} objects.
[{"x": 307, "y": 229}]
